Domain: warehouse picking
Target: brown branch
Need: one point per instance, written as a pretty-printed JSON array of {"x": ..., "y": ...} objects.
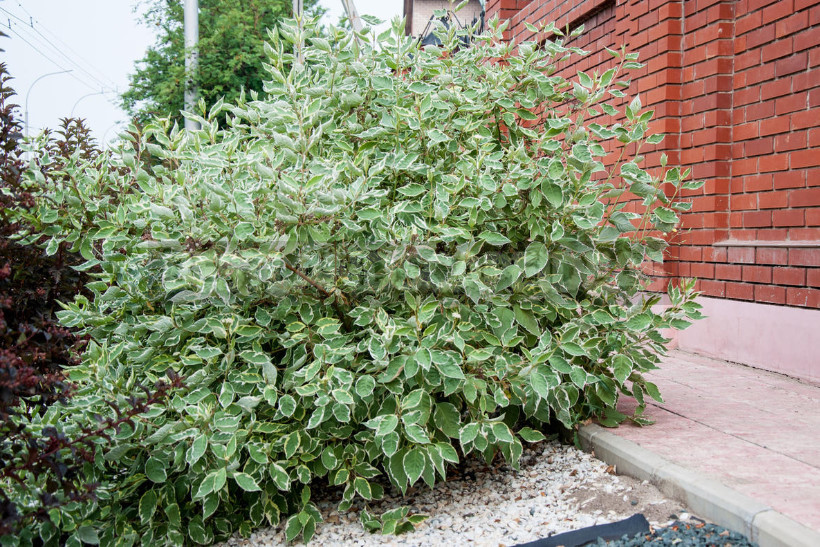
[
  {"x": 313, "y": 283},
  {"x": 339, "y": 311}
]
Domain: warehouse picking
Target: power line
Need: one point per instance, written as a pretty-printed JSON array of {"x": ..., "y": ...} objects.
[
  {"x": 29, "y": 28},
  {"x": 52, "y": 61},
  {"x": 67, "y": 46}
]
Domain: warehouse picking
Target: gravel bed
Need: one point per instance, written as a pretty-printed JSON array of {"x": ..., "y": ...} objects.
[{"x": 558, "y": 488}]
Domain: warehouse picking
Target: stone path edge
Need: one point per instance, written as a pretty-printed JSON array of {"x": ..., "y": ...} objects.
[{"x": 704, "y": 496}]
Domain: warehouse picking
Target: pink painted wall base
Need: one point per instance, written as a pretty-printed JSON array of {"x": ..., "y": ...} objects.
[{"x": 776, "y": 338}]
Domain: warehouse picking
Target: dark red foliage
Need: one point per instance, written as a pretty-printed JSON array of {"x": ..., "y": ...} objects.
[{"x": 34, "y": 349}]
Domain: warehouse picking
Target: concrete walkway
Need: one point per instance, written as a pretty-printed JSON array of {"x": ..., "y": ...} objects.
[{"x": 756, "y": 432}]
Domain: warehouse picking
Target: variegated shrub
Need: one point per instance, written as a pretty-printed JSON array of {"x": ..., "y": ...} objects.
[{"x": 381, "y": 266}]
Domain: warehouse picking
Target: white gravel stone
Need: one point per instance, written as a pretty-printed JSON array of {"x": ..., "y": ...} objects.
[{"x": 557, "y": 489}]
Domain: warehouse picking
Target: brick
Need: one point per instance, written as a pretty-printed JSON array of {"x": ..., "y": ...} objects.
[
  {"x": 813, "y": 277},
  {"x": 773, "y": 200},
  {"x": 776, "y": 88},
  {"x": 741, "y": 255},
  {"x": 776, "y": 11},
  {"x": 702, "y": 270},
  {"x": 804, "y": 257},
  {"x": 804, "y": 234},
  {"x": 774, "y": 125},
  {"x": 742, "y": 167},
  {"x": 813, "y": 217},
  {"x": 812, "y": 177},
  {"x": 759, "y": 36},
  {"x": 715, "y": 254},
  {"x": 806, "y": 80},
  {"x": 744, "y": 202},
  {"x": 805, "y": 158},
  {"x": 757, "y": 219},
  {"x": 710, "y": 287},
  {"x": 746, "y": 131},
  {"x": 758, "y": 147},
  {"x": 791, "y": 141},
  {"x": 790, "y": 65},
  {"x": 791, "y": 103},
  {"x": 757, "y": 274},
  {"x": 788, "y": 276},
  {"x": 792, "y": 24},
  {"x": 790, "y": 179},
  {"x": 740, "y": 291},
  {"x": 788, "y": 217},
  {"x": 730, "y": 272},
  {"x": 772, "y": 295},
  {"x": 802, "y": 120},
  {"x": 806, "y": 39},
  {"x": 809, "y": 197},
  {"x": 772, "y": 255},
  {"x": 809, "y": 298},
  {"x": 689, "y": 254},
  {"x": 772, "y": 234},
  {"x": 776, "y": 162},
  {"x": 760, "y": 110},
  {"x": 747, "y": 22}
]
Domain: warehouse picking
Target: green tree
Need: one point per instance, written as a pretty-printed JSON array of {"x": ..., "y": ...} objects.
[{"x": 231, "y": 53}]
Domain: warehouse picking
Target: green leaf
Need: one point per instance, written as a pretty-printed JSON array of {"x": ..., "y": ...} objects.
[
  {"x": 535, "y": 258},
  {"x": 468, "y": 433},
  {"x": 554, "y": 195},
  {"x": 155, "y": 470},
  {"x": 502, "y": 432},
  {"x": 293, "y": 527},
  {"x": 639, "y": 322},
  {"x": 450, "y": 370},
  {"x": 509, "y": 276},
  {"x": 279, "y": 476},
  {"x": 197, "y": 449},
  {"x": 531, "y": 435},
  {"x": 447, "y": 419},
  {"x": 343, "y": 396},
  {"x": 435, "y": 136},
  {"x": 196, "y": 531},
  {"x": 148, "y": 506},
  {"x": 362, "y": 488},
  {"x": 527, "y": 320},
  {"x": 88, "y": 535},
  {"x": 287, "y": 405},
  {"x": 494, "y": 238},
  {"x": 539, "y": 384},
  {"x": 243, "y": 230},
  {"x": 622, "y": 368},
  {"x": 220, "y": 477},
  {"x": 365, "y": 385},
  {"x": 172, "y": 512},
  {"x": 653, "y": 391},
  {"x": 292, "y": 442},
  {"x": 413, "y": 464},
  {"x": 666, "y": 215},
  {"x": 246, "y": 482}
]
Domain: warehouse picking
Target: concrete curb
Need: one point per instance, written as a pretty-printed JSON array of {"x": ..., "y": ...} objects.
[{"x": 703, "y": 496}]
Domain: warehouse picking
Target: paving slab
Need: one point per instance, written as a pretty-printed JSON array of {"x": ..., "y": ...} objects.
[{"x": 756, "y": 432}]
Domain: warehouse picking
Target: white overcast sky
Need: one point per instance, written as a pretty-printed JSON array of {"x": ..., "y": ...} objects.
[{"x": 99, "y": 40}]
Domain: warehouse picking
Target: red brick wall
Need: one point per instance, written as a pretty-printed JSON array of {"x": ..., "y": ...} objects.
[{"x": 735, "y": 85}]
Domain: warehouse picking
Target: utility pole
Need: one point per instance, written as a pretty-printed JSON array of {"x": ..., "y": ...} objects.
[
  {"x": 191, "y": 23},
  {"x": 25, "y": 119},
  {"x": 298, "y": 11},
  {"x": 353, "y": 15}
]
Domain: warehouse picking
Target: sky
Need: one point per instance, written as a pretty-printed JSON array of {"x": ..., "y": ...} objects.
[{"x": 99, "y": 41}]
